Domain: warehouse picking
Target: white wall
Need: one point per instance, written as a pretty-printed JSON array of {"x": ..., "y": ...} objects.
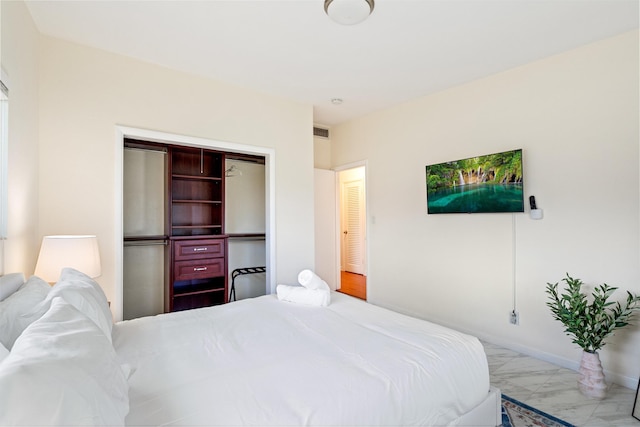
[
  {"x": 85, "y": 93},
  {"x": 575, "y": 115},
  {"x": 19, "y": 59},
  {"x": 326, "y": 262}
]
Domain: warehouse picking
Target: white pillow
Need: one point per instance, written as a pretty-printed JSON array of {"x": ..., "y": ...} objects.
[
  {"x": 62, "y": 371},
  {"x": 84, "y": 294},
  {"x": 19, "y": 310},
  {"x": 3, "y": 352},
  {"x": 9, "y": 283}
]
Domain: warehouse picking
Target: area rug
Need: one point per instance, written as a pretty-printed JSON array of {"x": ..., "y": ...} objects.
[{"x": 518, "y": 414}]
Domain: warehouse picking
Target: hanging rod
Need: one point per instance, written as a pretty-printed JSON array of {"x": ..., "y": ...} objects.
[
  {"x": 145, "y": 240},
  {"x": 146, "y": 243},
  {"x": 145, "y": 150}
]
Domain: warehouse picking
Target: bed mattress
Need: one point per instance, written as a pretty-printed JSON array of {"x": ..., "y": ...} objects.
[{"x": 262, "y": 361}]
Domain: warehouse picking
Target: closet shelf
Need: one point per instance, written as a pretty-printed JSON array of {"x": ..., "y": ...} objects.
[
  {"x": 193, "y": 227},
  {"x": 183, "y": 293},
  {"x": 197, "y": 226},
  {"x": 193, "y": 201}
]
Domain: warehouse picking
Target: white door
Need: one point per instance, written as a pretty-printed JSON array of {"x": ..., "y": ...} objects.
[{"x": 353, "y": 226}]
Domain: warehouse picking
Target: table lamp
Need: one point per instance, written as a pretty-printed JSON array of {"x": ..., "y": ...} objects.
[{"x": 58, "y": 252}]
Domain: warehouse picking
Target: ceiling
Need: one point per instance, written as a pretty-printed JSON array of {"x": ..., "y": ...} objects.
[{"x": 404, "y": 50}]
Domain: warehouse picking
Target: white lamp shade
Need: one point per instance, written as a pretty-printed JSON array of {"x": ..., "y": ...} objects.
[
  {"x": 58, "y": 252},
  {"x": 348, "y": 12}
]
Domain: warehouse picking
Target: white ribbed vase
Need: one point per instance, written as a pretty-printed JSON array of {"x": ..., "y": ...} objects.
[{"x": 591, "y": 382}]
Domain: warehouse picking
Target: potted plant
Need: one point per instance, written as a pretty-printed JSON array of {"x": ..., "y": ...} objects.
[{"x": 589, "y": 323}]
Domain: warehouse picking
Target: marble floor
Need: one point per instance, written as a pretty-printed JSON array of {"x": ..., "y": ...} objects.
[{"x": 553, "y": 389}]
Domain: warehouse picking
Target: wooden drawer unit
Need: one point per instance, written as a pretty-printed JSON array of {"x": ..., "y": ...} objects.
[
  {"x": 198, "y": 269},
  {"x": 198, "y": 249},
  {"x": 198, "y": 273}
]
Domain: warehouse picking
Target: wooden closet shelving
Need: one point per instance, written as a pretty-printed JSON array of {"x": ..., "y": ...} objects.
[{"x": 198, "y": 252}]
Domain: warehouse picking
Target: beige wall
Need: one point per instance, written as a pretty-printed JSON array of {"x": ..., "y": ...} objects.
[
  {"x": 85, "y": 93},
  {"x": 321, "y": 153},
  {"x": 326, "y": 227},
  {"x": 19, "y": 59},
  {"x": 575, "y": 115}
]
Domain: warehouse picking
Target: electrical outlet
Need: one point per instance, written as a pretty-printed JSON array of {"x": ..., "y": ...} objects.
[{"x": 514, "y": 318}]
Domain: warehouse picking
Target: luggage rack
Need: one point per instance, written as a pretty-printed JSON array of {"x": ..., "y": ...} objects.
[{"x": 240, "y": 272}]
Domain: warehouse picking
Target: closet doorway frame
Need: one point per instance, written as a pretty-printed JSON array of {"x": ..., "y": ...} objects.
[
  {"x": 338, "y": 219},
  {"x": 269, "y": 154}
]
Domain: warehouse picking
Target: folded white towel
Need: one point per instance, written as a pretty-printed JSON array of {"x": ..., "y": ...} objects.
[
  {"x": 302, "y": 295},
  {"x": 311, "y": 280}
]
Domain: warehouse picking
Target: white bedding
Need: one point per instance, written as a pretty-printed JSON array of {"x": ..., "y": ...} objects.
[{"x": 267, "y": 362}]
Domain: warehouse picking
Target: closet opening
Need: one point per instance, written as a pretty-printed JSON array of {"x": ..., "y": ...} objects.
[{"x": 189, "y": 201}]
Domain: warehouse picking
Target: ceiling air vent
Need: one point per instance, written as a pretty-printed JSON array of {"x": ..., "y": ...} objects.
[{"x": 321, "y": 132}]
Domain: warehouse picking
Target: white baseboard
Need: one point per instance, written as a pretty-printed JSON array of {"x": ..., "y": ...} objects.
[{"x": 610, "y": 377}]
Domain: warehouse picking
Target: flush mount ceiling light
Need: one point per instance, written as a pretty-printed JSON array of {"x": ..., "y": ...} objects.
[{"x": 348, "y": 12}]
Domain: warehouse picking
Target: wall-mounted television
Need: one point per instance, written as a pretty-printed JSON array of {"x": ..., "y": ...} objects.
[{"x": 483, "y": 184}]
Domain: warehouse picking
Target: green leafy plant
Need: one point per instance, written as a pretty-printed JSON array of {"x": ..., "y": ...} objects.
[{"x": 589, "y": 323}]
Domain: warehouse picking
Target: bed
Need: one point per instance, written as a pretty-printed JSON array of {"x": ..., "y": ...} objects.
[{"x": 259, "y": 361}]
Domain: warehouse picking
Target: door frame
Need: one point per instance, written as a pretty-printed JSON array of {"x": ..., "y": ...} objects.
[
  {"x": 149, "y": 135},
  {"x": 354, "y": 257},
  {"x": 338, "y": 231}
]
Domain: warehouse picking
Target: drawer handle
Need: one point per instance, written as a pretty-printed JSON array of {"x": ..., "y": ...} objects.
[
  {"x": 199, "y": 268},
  {"x": 200, "y": 249}
]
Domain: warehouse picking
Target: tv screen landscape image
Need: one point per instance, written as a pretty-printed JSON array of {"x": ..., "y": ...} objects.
[{"x": 483, "y": 184}]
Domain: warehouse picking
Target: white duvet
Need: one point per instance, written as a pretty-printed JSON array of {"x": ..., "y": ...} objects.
[{"x": 267, "y": 362}]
